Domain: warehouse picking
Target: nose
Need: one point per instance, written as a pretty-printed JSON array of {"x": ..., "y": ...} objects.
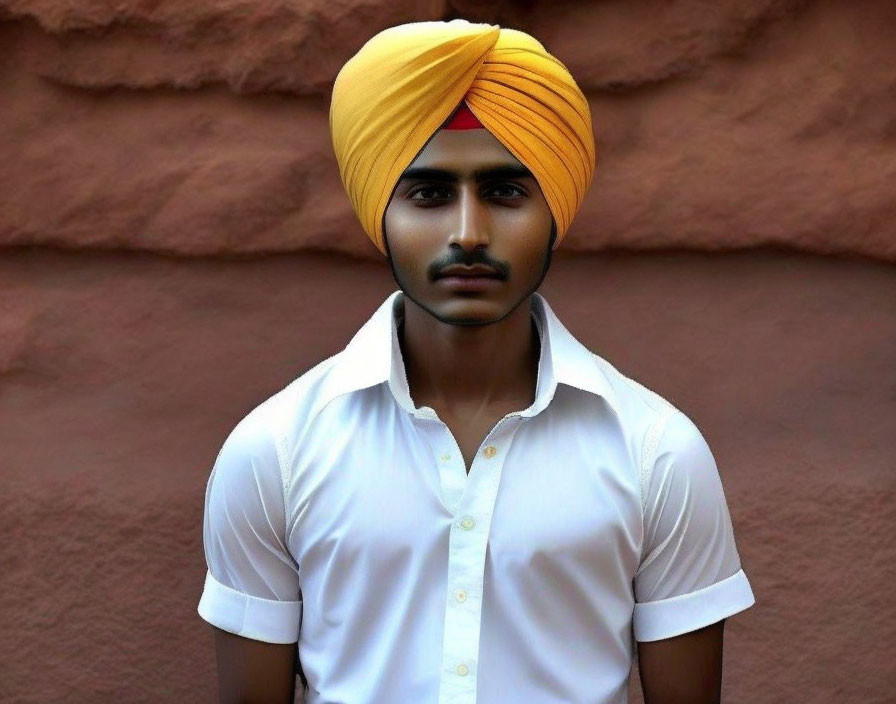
[{"x": 471, "y": 225}]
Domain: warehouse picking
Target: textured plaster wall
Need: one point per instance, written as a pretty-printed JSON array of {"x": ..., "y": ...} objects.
[
  {"x": 150, "y": 152},
  {"x": 123, "y": 374},
  {"x": 201, "y": 127}
]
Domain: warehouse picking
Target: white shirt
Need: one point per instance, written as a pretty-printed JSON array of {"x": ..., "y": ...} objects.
[{"x": 340, "y": 515}]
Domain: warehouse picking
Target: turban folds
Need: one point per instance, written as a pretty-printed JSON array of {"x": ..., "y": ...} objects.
[{"x": 398, "y": 90}]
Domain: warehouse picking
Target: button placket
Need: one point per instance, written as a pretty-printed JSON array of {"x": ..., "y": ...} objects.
[
  {"x": 452, "y": 470},
  {"x": 467, "y": 545},
  {"x": 448, "y": 459}
]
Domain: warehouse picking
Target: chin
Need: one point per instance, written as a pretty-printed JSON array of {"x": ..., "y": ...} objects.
[{"x": 470, "y": 310}]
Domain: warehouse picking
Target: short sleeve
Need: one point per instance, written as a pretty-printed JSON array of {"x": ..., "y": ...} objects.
[
  {"x": 252, "y": 583},
  {"x": 690, "y": 574}
]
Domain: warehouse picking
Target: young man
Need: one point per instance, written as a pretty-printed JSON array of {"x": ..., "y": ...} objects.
[{"x": 466, "y": 505}]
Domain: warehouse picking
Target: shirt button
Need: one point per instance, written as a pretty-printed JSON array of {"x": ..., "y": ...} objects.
[
  {"x": 467, "y": 523},
  {"x": 461, "y": 596},
  {"x": 490, "y": 451},
  {"x": 463, "y": 670},
  {"x": 446, "y": 457}
]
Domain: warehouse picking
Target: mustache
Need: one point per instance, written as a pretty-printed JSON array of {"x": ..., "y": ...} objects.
[{"x": 468, "y": 259}]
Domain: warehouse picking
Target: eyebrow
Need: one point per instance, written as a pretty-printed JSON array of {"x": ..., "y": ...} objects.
[{"x": 425, "y": 173}]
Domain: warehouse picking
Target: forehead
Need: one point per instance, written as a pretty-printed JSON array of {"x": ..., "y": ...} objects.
[{"x": 462, "y": 150}]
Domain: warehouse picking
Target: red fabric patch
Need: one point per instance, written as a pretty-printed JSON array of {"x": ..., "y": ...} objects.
[{"x": 464, "y": 119}]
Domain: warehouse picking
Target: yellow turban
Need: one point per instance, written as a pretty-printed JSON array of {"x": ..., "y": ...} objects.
[{"x": 393, "y": 95}]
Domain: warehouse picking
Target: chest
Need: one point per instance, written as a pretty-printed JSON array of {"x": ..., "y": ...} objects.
[
  {"x": 423, "y": 556},
  {"x": 556, "y": 489}
]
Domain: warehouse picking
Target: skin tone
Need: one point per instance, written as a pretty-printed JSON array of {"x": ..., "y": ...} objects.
[
  {"x": 686, "y": 669},
  {"x": 472, "y": 356}
]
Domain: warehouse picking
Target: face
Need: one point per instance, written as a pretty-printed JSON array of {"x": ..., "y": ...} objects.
[{"x": 466, "y": 201}]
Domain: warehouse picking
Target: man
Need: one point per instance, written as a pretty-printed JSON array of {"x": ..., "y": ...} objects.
[{"x": 465, "y": 504}]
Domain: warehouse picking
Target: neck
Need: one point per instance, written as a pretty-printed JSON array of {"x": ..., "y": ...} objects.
[{"x": 468, "y": 368}]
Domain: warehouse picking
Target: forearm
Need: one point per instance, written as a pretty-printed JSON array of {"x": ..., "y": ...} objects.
[{"x": 686, "y": 669}]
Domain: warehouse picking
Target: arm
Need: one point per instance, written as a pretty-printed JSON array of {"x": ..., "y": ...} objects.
[
  {"x": 690, "y": 577},
  {"x": 254, "y": 672},
  {"x": 252, "y": 594},
  {"x": 686, "y": 669}
]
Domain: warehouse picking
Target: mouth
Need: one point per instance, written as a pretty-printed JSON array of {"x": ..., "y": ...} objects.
[
  {"x": 469, "y": 282},
  {"x": 474, "y": 277}
]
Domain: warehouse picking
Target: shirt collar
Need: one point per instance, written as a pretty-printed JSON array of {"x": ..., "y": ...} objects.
[{"x": 373, "y": 356}]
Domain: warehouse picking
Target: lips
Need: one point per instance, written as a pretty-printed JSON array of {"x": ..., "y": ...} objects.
[
  {"x": 478, "y": 278},
  {"x": 475, "y": 271}
]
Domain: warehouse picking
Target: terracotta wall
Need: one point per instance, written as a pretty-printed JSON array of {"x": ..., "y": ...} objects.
[
  {"x": 198, "y": 128},
  {"x": 173, "y": 249}
]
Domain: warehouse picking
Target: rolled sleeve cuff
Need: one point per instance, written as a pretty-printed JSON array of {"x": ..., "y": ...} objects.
[
  {"x": 252, "y": 617},
  {"x": 655, "y": 620}
]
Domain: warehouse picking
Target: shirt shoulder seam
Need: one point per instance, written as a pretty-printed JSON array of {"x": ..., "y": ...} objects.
[
  {"x": 663, "y": 410},
  {"x": 281, "y": 427},
  {"x": 282, "y": 439},
  {"x": 651, "y": 444}
]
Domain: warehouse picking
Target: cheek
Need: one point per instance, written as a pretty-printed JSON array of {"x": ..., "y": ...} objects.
[
  {"x": 407, "y": 235},
  {"x": 530, "y": 222},
  {"x": 531, "y": 234}
]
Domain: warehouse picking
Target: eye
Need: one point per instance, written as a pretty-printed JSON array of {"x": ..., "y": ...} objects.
[
  {"x": 425, "y": 193},
  {"x": 508, "y": 190}
]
